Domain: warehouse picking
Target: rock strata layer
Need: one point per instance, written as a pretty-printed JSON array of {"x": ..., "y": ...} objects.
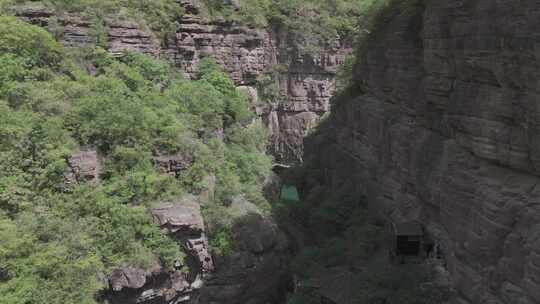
[
  {"x": 447, "y": 134},
  {"x": 246, "y": 54}
]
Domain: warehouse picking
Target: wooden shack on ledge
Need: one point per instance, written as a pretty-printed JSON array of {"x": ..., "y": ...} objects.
[{"x": 289, "y": 193}]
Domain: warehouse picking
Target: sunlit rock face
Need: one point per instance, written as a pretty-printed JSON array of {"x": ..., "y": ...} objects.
[
  {"x": 306, "y": 82},
  {"x": 447, "y": 133}
]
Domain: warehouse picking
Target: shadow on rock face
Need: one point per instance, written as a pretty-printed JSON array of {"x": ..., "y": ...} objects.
[{"x": 255, "y": 272}]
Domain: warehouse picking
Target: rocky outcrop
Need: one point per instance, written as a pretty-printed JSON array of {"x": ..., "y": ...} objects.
[
  {"x": 82, "y": 166},
  {"x": 255, "y": 272},
  {"x": 127, "y": 277},
  {"x": 184, "y": 221},
  {"x": 446, "y": 133},
  {"x": 130, "y": 285},
  {"x": 305, "y": 85},
  {"x": 77, "y": 31},
  {"x": 173, "y": 164}
]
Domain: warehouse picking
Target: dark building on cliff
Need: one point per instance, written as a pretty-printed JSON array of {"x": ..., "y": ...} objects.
[{"x": 409, "y": 244}]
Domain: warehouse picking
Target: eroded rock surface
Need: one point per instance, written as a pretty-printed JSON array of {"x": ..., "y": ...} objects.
[
  {"x": 447, "y": 134},
  {"x": 184, "y": 221},
  {"x": 127, "y": 277},
  {"x": 83, "y": 166},
  {"x": 241, "y": 51}
]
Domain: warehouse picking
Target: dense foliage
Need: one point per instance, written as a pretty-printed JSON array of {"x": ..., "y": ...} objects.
[
  {"x": 327, "y": 18},
  {"x": 57, "y": 239}
]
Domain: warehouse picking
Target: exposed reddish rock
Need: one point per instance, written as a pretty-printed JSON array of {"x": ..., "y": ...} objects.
[
  {"x": 82, "y": 167},
  {"x": 243, "y": 52},
  {"x": 126, "y": 36}
]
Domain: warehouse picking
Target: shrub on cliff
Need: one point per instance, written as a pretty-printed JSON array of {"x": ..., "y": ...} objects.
[
  {"x": 25, "y": 53},
  {"x": 310, "y": 23},
  {"x": 32, "y": 44},
  {"x": 159, "y": 15}
]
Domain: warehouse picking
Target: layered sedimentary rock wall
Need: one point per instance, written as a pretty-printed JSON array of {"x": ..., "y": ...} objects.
[
  {"x": 446, "y": 132},
  {"x": 305, "y": 84}
]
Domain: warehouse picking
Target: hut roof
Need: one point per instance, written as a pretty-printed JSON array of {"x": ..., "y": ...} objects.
[
  {"x": 289, "y": 193},
  {"x": 408, "y": 228}
]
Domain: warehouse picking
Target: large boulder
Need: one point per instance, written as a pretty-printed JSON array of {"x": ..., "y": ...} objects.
[
  {"x": 184, "y": 221},
  {"x": 183, "y": 215},
  {"x": 129, "y": 285},
  {"x": 83, "y": 166},
  {"x": 127, "y": 277}
]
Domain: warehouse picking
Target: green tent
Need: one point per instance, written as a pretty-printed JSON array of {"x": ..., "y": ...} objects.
[{"x": 289, "y": 193}]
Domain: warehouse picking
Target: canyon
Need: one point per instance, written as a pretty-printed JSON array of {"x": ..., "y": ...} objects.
[{"x": 442, "y": 128}]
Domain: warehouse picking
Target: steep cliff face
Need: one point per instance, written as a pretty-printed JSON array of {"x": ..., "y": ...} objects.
[
  {"x": 305, "y": 91},
  {"x": 305, "y": 84},
  {"x": 446, "y": 132}
]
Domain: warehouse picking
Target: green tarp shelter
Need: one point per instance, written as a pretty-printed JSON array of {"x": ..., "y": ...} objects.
[{"x": 289, "y": 193}]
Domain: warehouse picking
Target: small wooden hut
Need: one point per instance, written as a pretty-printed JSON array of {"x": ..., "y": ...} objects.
[{"x": 289, "y": 193}]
